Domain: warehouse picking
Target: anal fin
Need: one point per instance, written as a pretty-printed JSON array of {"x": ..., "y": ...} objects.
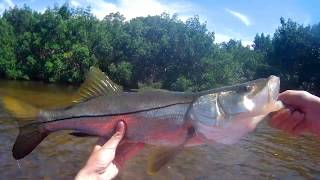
[{"x": 162, "y": 155}]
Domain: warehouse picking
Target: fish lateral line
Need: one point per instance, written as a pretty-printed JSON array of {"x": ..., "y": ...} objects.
[{"x": 113, "y": 114}]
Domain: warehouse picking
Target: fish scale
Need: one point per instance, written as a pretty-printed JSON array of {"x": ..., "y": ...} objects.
[{"x": 162, "y": 118}]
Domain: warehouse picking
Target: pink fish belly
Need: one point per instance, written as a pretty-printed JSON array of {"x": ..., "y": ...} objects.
[{"x": 138, "y": 129}]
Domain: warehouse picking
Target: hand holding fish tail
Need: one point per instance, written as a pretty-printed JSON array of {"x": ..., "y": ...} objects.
[
  {"x": 100, "y": 164},
  {"x": 301, "y": 114}
]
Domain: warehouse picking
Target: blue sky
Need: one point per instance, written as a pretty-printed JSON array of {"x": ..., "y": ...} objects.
[{"x": 238, "y": 19}]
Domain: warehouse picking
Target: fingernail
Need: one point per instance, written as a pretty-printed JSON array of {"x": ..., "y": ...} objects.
[{"x": 120, "y": 125}]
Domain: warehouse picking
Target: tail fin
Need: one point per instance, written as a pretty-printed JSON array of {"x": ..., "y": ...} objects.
[
  {"x": 31, "y": 131},
  {"x": 29, "y": 137}
]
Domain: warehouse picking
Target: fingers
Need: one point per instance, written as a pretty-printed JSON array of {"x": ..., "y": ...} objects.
[
  {"x": 279, "y": 117},
  {"x": 106, "y": 153},
  {"x": 112, "y": 172},
  {"x": 113, "y": 142},
  {"x": 299, "y": 129},
  {"x": 101, "y": 141},
  {"x": 100, "y": 161},
  {"x": 288, "y": 121},
  {"x": 295, "y": 120},
  {"x": 115, "y": 139},
  {"x": 293, "y": 98}
]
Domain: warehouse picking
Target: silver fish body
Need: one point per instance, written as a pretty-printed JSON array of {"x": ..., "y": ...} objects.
[
  {"x": 162, "y": 117},
  {"x": 155, "y": 117}
]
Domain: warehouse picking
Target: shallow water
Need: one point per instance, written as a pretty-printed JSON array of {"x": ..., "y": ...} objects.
[{"x": 263, "y": 154}]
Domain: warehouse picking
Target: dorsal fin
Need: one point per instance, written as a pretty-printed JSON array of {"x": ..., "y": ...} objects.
[{"x": 96, "y": 84}]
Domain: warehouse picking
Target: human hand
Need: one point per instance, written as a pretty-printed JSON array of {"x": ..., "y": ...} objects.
[
  {"x": 100, "y": 164},
  {"x": 108, "y": 156},
  {"x": 300, "y": 115}
]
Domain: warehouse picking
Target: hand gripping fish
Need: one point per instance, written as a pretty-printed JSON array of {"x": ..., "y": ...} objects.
[{"x": 171, "y": 120}]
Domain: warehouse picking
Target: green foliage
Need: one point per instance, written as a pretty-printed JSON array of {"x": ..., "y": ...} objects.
[
  {"x": 8, "y": 60},
  {"x": 294, "y": 56},
  {"x": 121, "y": 73},
  {"x": 61, "y": 44},
  {"x": 262, "y": 43},
  {"x": 182, "y": 84},
  {"x": 144, "y": 86}
]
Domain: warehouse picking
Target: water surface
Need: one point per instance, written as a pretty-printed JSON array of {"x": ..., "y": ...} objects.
[{"x": 264, "y": 154}]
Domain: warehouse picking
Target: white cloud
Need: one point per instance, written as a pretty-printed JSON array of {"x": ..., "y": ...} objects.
[
  {"x": 131, "y": 9},
  {"x": 243, "y": 18},
  {"x": 101, "y": 8},
  {"x": 246, "y": 43},
  {"x": 184, "y": 17},
  {"x": 5, "y": 5},
  {"x": 219, "y": 38},
  {"x": 74, "y": 3},
  {"x": 43, "y": 10},
  {"x": 9, "y": 2},
  {"x": 136, "y": 8}
]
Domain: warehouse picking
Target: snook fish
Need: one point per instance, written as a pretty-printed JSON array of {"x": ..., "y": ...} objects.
[{"x": 155, "y": 117}]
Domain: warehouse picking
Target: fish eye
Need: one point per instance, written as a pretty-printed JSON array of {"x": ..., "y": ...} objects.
[
  {"x": 249, "y": 88},
  {"x": 244, "y": 89}
]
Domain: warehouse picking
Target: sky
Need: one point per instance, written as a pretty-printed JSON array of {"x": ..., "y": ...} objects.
[{"x": 236, "y": 19}]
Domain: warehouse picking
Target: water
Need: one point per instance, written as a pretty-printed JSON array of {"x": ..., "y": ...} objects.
[{"x": 264, "y": 154}]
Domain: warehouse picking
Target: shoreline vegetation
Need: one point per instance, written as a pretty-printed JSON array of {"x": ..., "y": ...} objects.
[{"x": 62, "y": 43}]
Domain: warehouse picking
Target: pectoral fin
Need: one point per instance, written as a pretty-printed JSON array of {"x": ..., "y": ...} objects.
[{"x": 81, "y": 134}]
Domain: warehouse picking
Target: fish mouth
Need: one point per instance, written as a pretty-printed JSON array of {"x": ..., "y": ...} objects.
[{"x": 273, "y": 87}]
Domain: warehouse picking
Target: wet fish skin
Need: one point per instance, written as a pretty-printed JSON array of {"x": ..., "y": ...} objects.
[
  {"x": 229, "y": 113},
  {"x": 156, "y": 117},
  {"x": 159, "y": 126}
]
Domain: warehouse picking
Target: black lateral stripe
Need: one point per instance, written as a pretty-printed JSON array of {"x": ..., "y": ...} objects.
[{"x": 117, "y": 114}]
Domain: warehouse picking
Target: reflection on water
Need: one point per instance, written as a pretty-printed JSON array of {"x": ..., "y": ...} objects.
[{"x": 264, "y": 154}]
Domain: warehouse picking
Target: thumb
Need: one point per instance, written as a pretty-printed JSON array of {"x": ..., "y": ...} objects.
[
  {"x": 292, "y": 98},
  {"x": 114, "y": 141}
]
